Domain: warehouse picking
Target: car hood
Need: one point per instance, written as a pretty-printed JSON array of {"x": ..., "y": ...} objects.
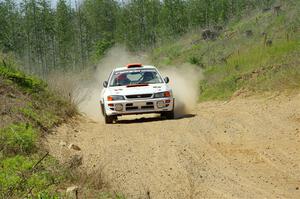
[{"x": 123, "y": 90}]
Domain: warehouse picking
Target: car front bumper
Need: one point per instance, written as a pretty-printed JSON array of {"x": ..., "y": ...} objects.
[{"x": 139, "y": 106}]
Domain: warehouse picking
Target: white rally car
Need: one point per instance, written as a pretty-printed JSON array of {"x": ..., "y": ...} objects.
[{"x": 136, "y": 89}]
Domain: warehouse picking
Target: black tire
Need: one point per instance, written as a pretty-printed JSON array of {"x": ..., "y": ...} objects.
[
  {"x": 168, "y": 115},
  {"x": 109, "y": 119},
  {"x": 102, "y": 109}
]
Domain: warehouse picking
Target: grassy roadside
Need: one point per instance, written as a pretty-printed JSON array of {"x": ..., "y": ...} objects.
[
  {"x": 236, "y": 62},
  {"x": 258, "y": 69},
  {"x": 28, "y": 110}
]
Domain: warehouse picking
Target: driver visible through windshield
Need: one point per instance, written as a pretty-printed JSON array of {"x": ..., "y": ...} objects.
[{"x": 130, "y": 77}]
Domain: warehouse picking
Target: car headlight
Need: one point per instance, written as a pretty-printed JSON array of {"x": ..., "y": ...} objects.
[
  {"x": 115, "y": 97},
  {"x": 162, "y": 94}
]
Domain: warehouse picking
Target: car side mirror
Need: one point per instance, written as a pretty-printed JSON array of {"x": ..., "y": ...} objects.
[
  {"x": 105, "y": 83},
  {"x": 167, "y": 80}
]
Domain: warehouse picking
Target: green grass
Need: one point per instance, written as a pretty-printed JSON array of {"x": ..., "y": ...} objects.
[
  {"x": 20, "y": 174},
  {"x": 30, "y": 110},
  {"x": 19, "y": 178},
  {"x": 18, "y": 139},
  {"x": 167, "y": 53},
  {"x": 44, "y": 119},
  {"x": 29, "y": 83},
  {"x": 256, "y": 69},
  {"x": 43, "y": 108}
]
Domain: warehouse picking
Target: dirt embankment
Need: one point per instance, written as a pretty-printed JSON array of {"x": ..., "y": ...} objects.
[{"x": 244, "y": 148}]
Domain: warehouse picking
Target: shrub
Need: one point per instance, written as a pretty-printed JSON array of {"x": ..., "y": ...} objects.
[
  {"x": 22, "y": 80},
  {"x": 18, "y": 178},
  {"x": 18, "y": 138},
  {"x": 11, "y": 175},
  {"x": 195, "y": 60},
  {"x": 102, "y": 46}
]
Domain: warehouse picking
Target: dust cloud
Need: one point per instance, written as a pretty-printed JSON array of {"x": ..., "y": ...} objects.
[
  {"x": 90, "y": 90},
  {"x": 183, "y": 79}
]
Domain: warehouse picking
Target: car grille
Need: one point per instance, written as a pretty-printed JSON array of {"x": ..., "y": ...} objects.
[
  {"x": 132, "y": 108},
  {"x": 147, "y": 106},
  {"x": 139, "y": 96}
]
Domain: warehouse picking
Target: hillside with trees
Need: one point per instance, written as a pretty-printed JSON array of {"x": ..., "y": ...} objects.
[
  {"x": 243, "y": 47},
  {"x": 71, "y": 37},
  {"x": 257, "y": 53}
]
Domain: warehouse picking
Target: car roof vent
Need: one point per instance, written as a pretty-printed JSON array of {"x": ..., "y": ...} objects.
[{"x": 134, "y": 65}]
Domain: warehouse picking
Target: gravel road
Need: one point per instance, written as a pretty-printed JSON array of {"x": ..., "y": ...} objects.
[{"x": 243, "y": 148}]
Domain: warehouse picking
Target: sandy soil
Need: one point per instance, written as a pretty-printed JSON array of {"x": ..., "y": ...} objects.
[{"x": 244, "y": 148}]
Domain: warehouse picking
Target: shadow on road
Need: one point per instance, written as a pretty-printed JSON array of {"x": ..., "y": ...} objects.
[
  {"x": 182, "y": 116},
  {"x": 152, "y": 119}
]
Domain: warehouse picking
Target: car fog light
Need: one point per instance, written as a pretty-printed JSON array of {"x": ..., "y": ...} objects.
[
  {"x": 160, "y": 104},
  {"x": 118, "y": 107}
]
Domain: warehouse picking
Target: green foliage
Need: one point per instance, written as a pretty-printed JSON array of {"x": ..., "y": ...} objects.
[
  {"x": 219, "y": 91},
  {"x": 18, "y": 176},
  {"x": 36, "y": 109},
  {"x": 20, "y": 173},
  {"x": 48, "y": 109},
  {"x": 18, "y": 138},
  {"x": 164, "y": 54},
  {"x": 102, "y": 46},
  {"x": 65, "y": 37},
  {"x": 195, "y": 60},
  {"x": 235, "y": 61},
  {"x": 10, "y": 177},
  {"x": 64, "y": 33},
  {"x": 42, "y": 118},
  {"x": 256, "y": 69},
  {"x": 70, "y": 37},
  {"x": 46, "y": 195},
  {"x": 29, "y": 83}
]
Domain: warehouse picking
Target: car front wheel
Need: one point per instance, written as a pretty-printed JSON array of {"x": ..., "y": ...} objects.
[
  {"x": 168, "y": 114},
  {"x": 109, "y": 119}
]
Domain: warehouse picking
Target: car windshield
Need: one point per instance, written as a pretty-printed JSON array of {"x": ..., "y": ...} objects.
[{"x": 130, "y": 77}]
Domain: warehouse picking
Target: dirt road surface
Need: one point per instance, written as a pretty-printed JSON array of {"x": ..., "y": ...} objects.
[{"x": 243, "y": 148}]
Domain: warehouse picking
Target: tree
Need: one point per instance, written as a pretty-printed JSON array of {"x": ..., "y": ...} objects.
[
  {"x": 174, "y": 18},
  {"x": 68, "y": 38},
  {"x": 64, "y": 34},
  {"x": 11, "y": 37},
  {"x": 100, "y": 22}
]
